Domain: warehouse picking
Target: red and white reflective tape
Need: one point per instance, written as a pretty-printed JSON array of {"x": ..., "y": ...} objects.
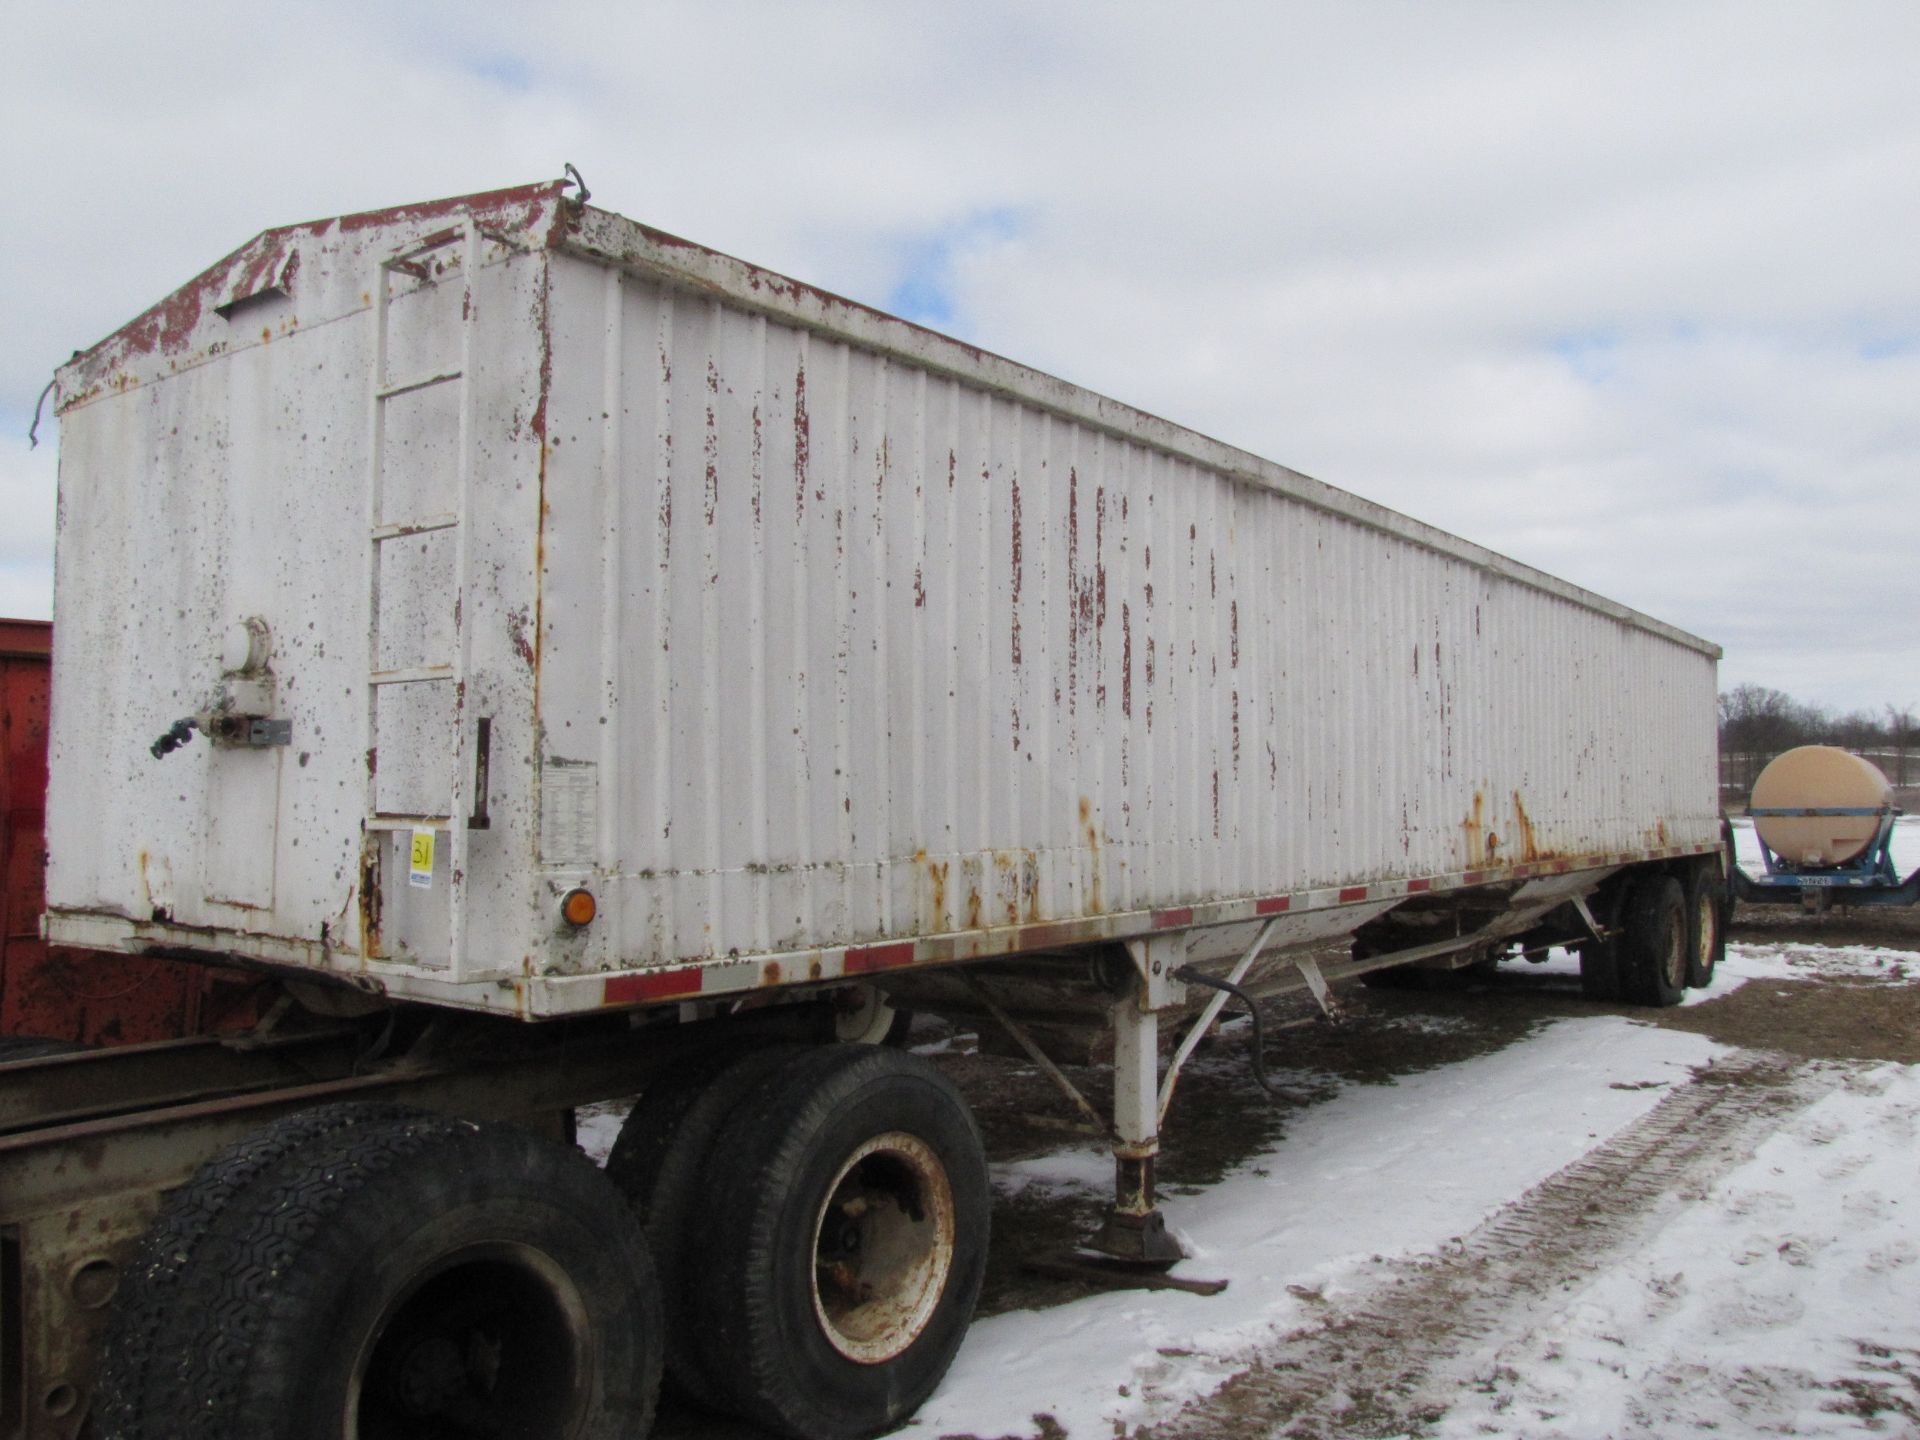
[{"x": 733, "y": 975}]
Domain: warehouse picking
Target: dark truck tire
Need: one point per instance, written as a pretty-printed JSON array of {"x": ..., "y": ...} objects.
[
  {"x": 844, "y": 1236},
  {"x": 1600, "y": 959},
  {"x": 147, "y": 1338},
  {"x": 657, "y": 1164},
  {"x": 1706, "y": 924},
  {"x": 1600, "y": 971},
  {"x": 1653, "y": 948},
  {"x": 393, "y": 1275}
]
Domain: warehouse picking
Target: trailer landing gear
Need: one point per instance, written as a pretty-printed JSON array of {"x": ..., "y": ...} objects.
[{"x": 1133, "y": 1249}]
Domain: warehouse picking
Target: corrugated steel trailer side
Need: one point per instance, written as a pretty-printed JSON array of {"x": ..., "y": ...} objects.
[{"x": 849, "y": 647}]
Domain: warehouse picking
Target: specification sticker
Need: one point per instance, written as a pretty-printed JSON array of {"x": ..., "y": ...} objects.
[{"x": 420, "y": 860}]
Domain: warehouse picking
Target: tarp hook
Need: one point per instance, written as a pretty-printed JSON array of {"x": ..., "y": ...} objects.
[
  {"x": 573, "y": 177},
  {"x": 33, "y": 437}
]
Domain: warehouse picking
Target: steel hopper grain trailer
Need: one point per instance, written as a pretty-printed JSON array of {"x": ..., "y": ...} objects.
[{"x": 571, "y": 662}]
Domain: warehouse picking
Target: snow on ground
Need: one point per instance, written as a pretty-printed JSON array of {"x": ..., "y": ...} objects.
[
  {"x": 1778, "y": 1303},
  {"x": 1799, "y": 961},
  {"x": 596, "y": 1127},
  {"x": 1380, "y": 1170},
  {"x": 1786, "y": 960}
]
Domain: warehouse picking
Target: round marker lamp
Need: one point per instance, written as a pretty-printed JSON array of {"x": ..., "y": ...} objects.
[{"x": 578, "y": 907}]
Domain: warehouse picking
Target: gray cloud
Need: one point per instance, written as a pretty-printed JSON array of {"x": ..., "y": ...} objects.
[{"x": 1624, "y": 291}]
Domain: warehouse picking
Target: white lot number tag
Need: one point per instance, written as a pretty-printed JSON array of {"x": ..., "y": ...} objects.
[{"x": 420, "y": 860}]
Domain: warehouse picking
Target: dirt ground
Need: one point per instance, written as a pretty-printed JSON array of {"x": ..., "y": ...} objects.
[{"x": 1221, "y": 1119}]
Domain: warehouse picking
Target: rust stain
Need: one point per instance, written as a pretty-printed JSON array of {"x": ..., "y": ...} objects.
[
  {"x": 1096, "y": 904},
  {"x": 1529, "y": 848},
  {"x": 1235, "y": 713},
  {"x": 1014, "y": 636},
  {"x": 370, "y": 897},
  {"x": 1475, "y": 827},
  {"x": 517, "y": 620},
  {"x": 758, "y": 445},
  {"x": 770, "y": 973},
  {"x": 937, "y": 878},
  {"x": 1076, "y": 603},
  {"x": 802, "y": 442},
  {"x": 1018, "y": 570},
  {"x": 1126, "y": 660},
  {"x": 1099, "y": 596},
  {"x": 974, "y": 921},
  {"x": 1008, "y": 885},
  {"x": 711, "y": 446}
]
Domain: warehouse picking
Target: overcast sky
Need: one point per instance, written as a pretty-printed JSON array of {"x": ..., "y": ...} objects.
[{"x": 1630, "y": 292}]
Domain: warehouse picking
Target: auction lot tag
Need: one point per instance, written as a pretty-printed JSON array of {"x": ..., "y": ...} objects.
[{"x": 420, "y": 862}]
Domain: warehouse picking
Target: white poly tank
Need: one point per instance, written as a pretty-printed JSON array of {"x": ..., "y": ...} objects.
[{"x": 1814, "y": 777}]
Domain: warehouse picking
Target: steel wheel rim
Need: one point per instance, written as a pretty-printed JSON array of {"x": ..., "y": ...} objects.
[
  {"x": 882, "y": 1247},
  {"x": 492, "y": 1339},
  {"x": 1676, "y": 957},
  {"x": 1707, "y": 928}
]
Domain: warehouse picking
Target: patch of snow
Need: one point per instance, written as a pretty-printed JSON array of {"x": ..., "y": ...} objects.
[
  {"x": 1378, "y": 1171},
  {"x": 596, "y": 1127},
  {"x": 1072, "y": 1170},
  {"x": 1771, "y": 1306},
  {"x": 1798, "y": 961}
]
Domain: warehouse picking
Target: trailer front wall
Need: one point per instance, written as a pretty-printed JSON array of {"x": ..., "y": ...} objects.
[
  {"x": 222, "y": 470},
  {"x": 839, "y": 647}
]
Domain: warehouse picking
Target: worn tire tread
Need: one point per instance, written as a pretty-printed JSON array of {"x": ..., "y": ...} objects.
[
  {"x": 660, "y": 1170},
  {"x": 148, "y": 1302}
]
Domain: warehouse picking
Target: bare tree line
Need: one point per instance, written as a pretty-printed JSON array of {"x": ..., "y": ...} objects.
[{"x": 1757, "y": 723}]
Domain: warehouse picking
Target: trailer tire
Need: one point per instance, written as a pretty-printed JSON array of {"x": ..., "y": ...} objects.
[
  {"x": 412, "y": 1274},
  {"x": 1732, "y": 861},
  {"x": 148, "y": 1335},
  {"x": 1600, "y": 970},
  {"x": 1706, "y": 925},
  {"x": 846, "y": 1229},
  {"x": 1653, "y": 946},
  {"x": 657, "y": 1164}
]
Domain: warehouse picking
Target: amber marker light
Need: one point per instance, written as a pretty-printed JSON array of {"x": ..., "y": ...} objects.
[{"x": 578, "y": 907}]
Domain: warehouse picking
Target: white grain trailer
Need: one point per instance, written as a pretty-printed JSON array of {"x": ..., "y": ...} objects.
[{"x": 543, "y": 643}]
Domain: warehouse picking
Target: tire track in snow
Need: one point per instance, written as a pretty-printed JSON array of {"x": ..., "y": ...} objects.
[{"x": 1366, "y": 1368}]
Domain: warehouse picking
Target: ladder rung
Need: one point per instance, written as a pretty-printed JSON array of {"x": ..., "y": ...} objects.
[
  {"x": 419, "y": 382},
  {"x": 415, "y": 527},
  {"x": 408, "y": 822},
  {"x": 411, "y": 675}
]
